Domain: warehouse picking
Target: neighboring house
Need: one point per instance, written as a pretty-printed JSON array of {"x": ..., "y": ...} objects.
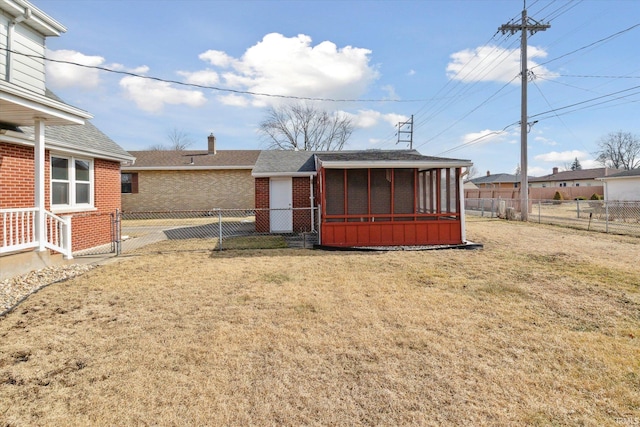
[
  {"x": 59, "y": 175},
  {"x": 571, "y": 178},
  {"x": 571, "y": 184},
  {"x": 622, "y": 186},
  {"x": 172, "y": 180},
  {"x": 366, "y": 198},
  {"x": 498, "y": 181}
]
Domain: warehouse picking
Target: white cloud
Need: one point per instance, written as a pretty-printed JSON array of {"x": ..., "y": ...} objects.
[
  {"x": 370, "y": 118},
  {"x": 411, "y": 73},
  {"x": 202, "y": 77},
  {"x": 492, "y": 63},
  {"x": 537, "y": 171},
  {"x": 217, "y": 58},
  {"x": 151, "y": 95},
  {"x": 483, "y": 136},
  {"x": 293, "y": 66},
  {"x": 62, "y": 75},
  {"x": 562, "y": 156}
]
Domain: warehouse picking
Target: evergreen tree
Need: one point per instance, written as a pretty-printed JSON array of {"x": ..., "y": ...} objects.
[{"x": 576, "y": 166}]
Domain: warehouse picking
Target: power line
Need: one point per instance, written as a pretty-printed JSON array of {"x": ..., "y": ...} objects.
[{"x": 215, "y": 88}]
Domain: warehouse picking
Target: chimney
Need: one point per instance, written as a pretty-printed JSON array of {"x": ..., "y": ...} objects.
[
  {"x": 555, "y": 171},
  {"x": 211, "y": 144},
  {"x": 488, "y": 173}
]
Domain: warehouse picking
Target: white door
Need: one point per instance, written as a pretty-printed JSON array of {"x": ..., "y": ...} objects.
[{"x": 280, "y": 202}]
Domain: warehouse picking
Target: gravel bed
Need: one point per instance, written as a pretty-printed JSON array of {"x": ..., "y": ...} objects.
[{"x": 15, "y": 289}]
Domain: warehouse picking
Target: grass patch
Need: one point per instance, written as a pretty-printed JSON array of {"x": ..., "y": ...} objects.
[
  {"x": 253, "y": 242},
  {"x": 541, "y": 327}
]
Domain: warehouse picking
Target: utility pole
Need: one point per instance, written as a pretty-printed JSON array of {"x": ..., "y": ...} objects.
[
  {"x": 401, "y": 130},
  {"x": 532, "y": 26}
]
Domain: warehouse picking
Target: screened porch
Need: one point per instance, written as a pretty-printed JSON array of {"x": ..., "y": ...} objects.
[{"x": 390, "y": 206}]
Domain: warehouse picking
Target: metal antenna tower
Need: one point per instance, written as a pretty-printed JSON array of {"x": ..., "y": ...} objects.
[{"x": 406, "y": 128}]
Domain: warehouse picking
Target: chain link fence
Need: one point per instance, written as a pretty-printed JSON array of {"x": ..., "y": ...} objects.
[
  {"x": 217, "y": 229},
  {"x": 610, "y": 217}
]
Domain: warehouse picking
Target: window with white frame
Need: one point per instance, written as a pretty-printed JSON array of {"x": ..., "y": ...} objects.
[{"x": 71, "y": 182}]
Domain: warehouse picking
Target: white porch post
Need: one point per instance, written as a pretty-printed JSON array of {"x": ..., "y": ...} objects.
[
  {"x": 463, "y": 223},
  {"x": 39, "y": 165}
]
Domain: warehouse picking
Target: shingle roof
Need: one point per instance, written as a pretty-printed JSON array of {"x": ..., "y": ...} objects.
[
  {"x": 497, "y": 178},
  {"x": 282, "y": 162},
  {"x": 172, "y": 159},
  {"x": 576, "y": 175},
  {"x": 85, "y": 138},
  {"x": 625, "y": 174},
  {"x": 381, "y": 155},
  {"x": 274, "y": 162}
]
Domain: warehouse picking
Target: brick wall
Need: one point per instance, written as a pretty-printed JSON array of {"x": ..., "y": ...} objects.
[
  {"x": 262, "y": 202},
  {"x": 191, "y": 190},
  {"x": 17, "y": 179},
  {"x": 301, "y": 194},
  {"x": 17, "y": 190}
]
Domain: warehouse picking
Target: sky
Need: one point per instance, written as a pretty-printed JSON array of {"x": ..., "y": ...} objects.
[{"x": 196, "y": 67}]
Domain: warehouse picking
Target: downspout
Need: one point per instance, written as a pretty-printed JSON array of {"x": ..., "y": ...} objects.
[{"x": 312, "y": 201}]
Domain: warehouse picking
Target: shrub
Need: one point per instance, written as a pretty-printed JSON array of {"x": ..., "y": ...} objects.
[
  {"x": 595, "y": 196},
  {"x": 557, "y": 197}
]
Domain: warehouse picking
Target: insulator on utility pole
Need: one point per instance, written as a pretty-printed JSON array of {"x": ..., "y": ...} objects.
[{"x": 531, "y": 26}]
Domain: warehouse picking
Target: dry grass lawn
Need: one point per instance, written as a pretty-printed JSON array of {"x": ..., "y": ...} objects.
[{"x": 541, "y": 327}]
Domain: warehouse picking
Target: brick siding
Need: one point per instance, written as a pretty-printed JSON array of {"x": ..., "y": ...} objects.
[
  {"x": 191, "y": 190},
  {"x": 17, "y": 190}
]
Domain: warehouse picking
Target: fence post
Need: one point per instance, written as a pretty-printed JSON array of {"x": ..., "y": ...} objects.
[
  {"x": 493, "y": 207},
  {"x": 219, "y": 229},
  {"x": 606, "y": 217},
  {"x": 118, "y": 232},
  {"x": 481, "y": 208},
  {"x": 539, "y": 211},
  {"x": 578, "y": 207}
]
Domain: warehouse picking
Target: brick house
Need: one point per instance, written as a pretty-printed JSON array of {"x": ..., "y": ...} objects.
[
  {"x": 570, "y": 183},
  {"x": 169, "y": 180},
  {"x": 59, "y": 175},
  {"x": 366, "y": 198}
]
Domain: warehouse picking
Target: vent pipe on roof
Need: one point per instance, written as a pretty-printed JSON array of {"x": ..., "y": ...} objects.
[{"x": 211, "y": 144}]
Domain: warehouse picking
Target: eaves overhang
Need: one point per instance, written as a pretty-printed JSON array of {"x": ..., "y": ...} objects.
[
  {"x": 21, "y": 107},
  {"x": 184, "y": 168},
  {"x": 390, "y": 164},
  {"x": 283, "y": 174},
  {"x": 19, "y": 138}
]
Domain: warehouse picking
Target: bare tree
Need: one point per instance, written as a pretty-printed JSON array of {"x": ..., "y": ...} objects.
[
  {"x": 179, "y": 140},
  {"x": 472, "y": 172},
  {"x": 306, "y": 128},
  {"x": 619, "y": 150}
]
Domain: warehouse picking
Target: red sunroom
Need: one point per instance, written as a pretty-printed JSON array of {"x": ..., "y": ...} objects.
[{"x": 390, "y": 198}]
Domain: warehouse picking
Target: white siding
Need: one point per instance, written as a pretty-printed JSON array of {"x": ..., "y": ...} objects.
[
  {"x": 28, "y": 72},
  {"x": 4, "y": 21},
  {"x": 623, "y": 189}
]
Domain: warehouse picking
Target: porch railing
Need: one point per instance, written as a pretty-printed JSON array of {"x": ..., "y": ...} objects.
[{"x": 18, "y": 231}]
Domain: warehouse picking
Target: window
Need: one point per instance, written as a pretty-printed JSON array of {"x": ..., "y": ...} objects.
[
  {"x": 129, "y": 183},
  {"x": 71, "y": 182}
]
